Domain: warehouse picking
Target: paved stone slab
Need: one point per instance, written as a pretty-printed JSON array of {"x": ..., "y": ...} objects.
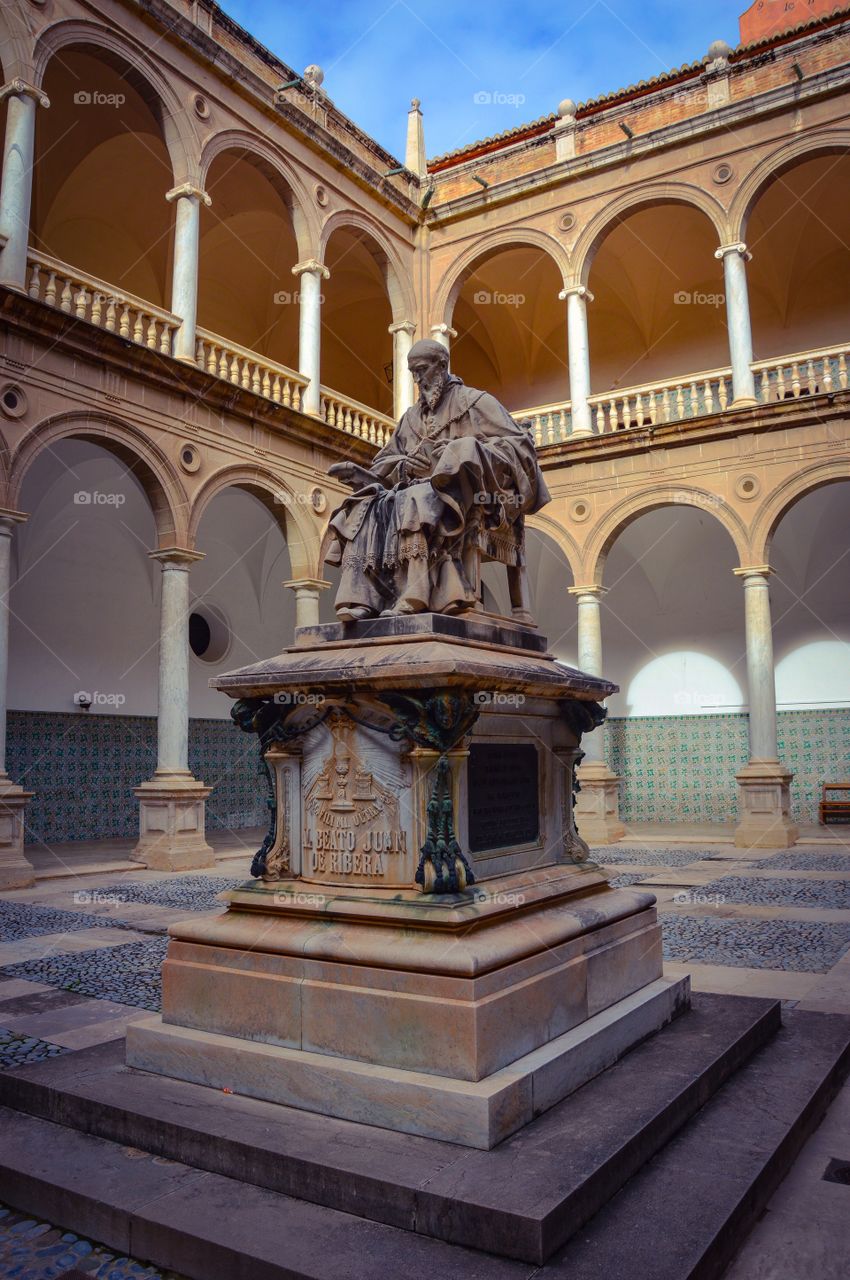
[
  {"x": 806, "y": 946},
  {"x": 128, "y": 974}
]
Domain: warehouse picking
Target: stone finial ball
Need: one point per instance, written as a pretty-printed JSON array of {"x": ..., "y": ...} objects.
[
  {"x": 314, "y": 74},
  {"x": 719, "y": 49},
  {"x": 566, "y": 108}
]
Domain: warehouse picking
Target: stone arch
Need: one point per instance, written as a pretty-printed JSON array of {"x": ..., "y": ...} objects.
[
  {"x": 15, "y": 45},
  {"x": 131, "y": 447},
  {"x": 282, "y": 502},
  {"x": 608, "y": 529},
  {"x": 397, "y": 277},
  {"x": 780, "y": 501},
  {"x": 551, "y": 526},
  {"x": 304, "y": 222},
  {"x": 614, "y": 213},
  {"x": 484, "y": 247},
  {"x": 179, "y": 136},
  {"x": 804, "y": 147}
]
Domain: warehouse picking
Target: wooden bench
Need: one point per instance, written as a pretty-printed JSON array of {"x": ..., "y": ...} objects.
[{"x": 835, "y": 808}]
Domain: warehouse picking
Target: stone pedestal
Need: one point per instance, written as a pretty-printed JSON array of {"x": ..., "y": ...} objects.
[
  {"x": 764, "y": 796},
  {"x": 171, "y": 823},
  {"x": 426, "y": 946},
  {"x": 597, "y": 804},
  {"x": 16, "y": 872}
]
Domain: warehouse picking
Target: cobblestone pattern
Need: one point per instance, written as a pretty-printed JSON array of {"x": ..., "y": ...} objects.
[
  {"x": 23, "y": 920},
  {"x": 776, "y": 891},
  {"x": 623, "y": 882},
  {"x": 33, "y": 1250},
  {"x": 17, "y": 1049},
  {"x": 791, "y": 945},
  {"x": 194, "y": 893},
  {"x": 127, "y": 975},
  {"x": 797, "y": 861},
  {"x": 646, "y": 857}
]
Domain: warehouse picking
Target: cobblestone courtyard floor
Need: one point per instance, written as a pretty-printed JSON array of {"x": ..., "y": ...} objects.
[{"x": 80, "y": 958}]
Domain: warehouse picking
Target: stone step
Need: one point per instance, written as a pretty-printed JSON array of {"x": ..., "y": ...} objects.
[
  {"x": 685, "y": 1215},
  {"x": 523, "y": 1199},
  {"x": 208, "y": 1227}
]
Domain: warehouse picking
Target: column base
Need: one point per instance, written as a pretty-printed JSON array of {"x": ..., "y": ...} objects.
[
  {"x": 765, "y": 804},
  {"x": 597, "y": 812},
  {"x": 171, "y": 823},
  {"x": 16, "y": 871}
]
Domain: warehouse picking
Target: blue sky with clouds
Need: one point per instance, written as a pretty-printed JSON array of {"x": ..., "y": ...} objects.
[{"x": 526, "y": 54}]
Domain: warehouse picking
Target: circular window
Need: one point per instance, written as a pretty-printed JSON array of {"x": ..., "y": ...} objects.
[
  {"x": 580, "y": 509},
  {"x": 747, "y": 487},
  {"x": 567, "y": 221},
  {"x": 722, "y": 173},
  {"x": 321, "y": 196},
  {"x": 201, "y": 106},
  {"x": 13, "y": 402},
  {"x": 209, "y": 634},
  {"x": 190, "y": 458},
  {"x": 318, "y": 500}
]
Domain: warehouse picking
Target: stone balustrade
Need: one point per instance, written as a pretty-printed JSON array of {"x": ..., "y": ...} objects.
[
  {"x": 549, "y": 423},
  {"x": 355, "y": 418},
  {"x": 87, "y": 298},
  {"x": 805, "y": 374},
  {"x": 244, "y": 368}
]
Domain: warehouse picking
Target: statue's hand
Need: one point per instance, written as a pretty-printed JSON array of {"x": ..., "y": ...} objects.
[{"x": 352, "y": 474}]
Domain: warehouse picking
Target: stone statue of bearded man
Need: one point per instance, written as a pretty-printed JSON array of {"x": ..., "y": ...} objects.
[{"x": 457, "y": 466}]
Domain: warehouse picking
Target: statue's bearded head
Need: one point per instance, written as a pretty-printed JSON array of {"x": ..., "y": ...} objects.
[{"x": 429, "y": 363}]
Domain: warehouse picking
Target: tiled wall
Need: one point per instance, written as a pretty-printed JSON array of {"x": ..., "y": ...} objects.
[
  {"x": 682, "y": 768},
  {"x": 83, "y": 768}
]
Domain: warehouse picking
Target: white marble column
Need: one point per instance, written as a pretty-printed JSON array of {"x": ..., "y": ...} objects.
[
  {"x": 735, "y": 258},
  {"x": 443, "y": 333},
  {"x": 184, "y": 283},
  {"x": 597, "y": 807},
  {"x": 578, "y": 356},
  {"x": 404, "y": 391},
  {"x": 764, "y": 783},
  {"x": 171, "y": 804},
  {"x": 311, "y": 274},
  {"x": 307, "y": 592},
  {"x": 16, "y": 871},
  {"x": 16, "y": 188}
]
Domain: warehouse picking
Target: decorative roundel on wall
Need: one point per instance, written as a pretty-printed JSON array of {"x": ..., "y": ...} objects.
[
  {"x": 209, "y": 633},
  {"x": 200, "y": 106},
  {"x": 321, "y": 195},
  {"x": 318, "y": 500},
  {"x": 580, "y": 509},
  {"x": 567, "y": 221},
  {"x": 190, "y": 457},
  {"x": 722, "y": 173},
  {"x": 13, "y": 402},
  {"x": 747, "y": 487}
]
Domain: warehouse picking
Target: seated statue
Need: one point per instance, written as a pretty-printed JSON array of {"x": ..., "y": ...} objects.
[{"x": 457, "y": 466}]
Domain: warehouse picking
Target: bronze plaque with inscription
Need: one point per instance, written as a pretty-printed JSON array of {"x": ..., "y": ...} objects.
[{"x": 504, "y": 795}]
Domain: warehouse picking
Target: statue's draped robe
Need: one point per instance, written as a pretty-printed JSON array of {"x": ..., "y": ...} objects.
[{"x": 466, "y": 465}]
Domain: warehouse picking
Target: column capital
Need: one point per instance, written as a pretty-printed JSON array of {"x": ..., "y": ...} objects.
[
  {"x": 312, "y": 265},
  {"x": 403, "y": 326},
  {"x": 9, "y": 518},
  {"x": 307, "y": 584},
  {"x": 176, "y": 557},
  {"x": 445, "y": 329},
  {"x": 18, "y": 88},
  {"x": 577, "y": 290},
  {"x": 738, "y": 247},
  {"x": 187, "y": 189},
  {"x": 594, "y": 589},
  {"x": 753, "y": 571}
]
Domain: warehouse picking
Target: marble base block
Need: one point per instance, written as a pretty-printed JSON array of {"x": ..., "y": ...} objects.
[
  {"x": 16, "y": 871},
  {"x": 336, "y": 995},
  {"x": 597, "y": 804},
  {"x": 471, "y": 1113},
  {"x": 764, "y": 792},
  {"x": 171, "y": 823}
]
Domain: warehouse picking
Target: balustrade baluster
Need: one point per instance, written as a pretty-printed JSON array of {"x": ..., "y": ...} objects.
[
  {"x": 842, "y": 371},
  {"x": 35, "y": 281},
  {"x": 50, "y": 291},
  {"x": 65, "y": 302}
]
